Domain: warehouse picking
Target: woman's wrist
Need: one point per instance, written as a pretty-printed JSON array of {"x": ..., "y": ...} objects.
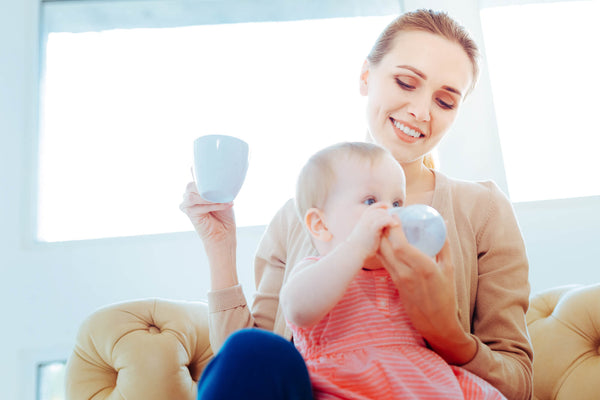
[
  {"x": 222, "y": 262},
  {"x": 456, "y": 349}
]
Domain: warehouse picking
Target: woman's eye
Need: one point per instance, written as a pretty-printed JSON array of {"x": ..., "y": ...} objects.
[
  {"x": 396, "y": 204},
  {"x": 370, "y": 201},
  {"x": 404, "y": 85},
  {"x": 445, "y": 105}
]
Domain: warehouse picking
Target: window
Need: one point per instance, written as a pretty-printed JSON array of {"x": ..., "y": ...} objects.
[
  {"x": 544, "y": 67},
  {"x": 123, "y": 98},
  {"x": 51, "y": 380}
]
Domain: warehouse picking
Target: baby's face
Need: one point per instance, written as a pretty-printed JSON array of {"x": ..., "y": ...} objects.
[{"x": 358, "y": 185}]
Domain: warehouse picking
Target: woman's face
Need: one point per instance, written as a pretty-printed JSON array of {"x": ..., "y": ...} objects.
[{"x": 414, "y": 93}]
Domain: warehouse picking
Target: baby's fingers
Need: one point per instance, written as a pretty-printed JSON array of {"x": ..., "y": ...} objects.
[{"x": 376, "y": 222}]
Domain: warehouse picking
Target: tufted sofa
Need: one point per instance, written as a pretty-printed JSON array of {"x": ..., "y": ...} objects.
[{"x": 156, "y": 349}]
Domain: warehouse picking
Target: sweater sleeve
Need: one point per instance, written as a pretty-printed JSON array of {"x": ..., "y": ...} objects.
[
  {"x": 227, "y": 313},
  {"x": 504, "y": 355}
]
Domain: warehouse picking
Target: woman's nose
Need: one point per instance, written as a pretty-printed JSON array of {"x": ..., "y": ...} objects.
[{"x": 420, "y": 108}]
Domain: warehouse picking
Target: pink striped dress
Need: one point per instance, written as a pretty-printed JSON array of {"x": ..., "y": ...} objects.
[{"x": 367, "y": 348}]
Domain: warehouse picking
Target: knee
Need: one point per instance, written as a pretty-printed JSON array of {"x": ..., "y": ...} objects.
[
  {"x": 256, "y": 345},
  {"x": 256, "y": 364}
]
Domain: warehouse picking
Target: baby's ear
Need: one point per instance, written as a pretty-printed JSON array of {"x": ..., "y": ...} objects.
[{"x": 316, "y": 225}]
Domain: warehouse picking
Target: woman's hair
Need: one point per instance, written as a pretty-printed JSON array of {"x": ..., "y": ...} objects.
[
  {"x": 436, "y": 22},
  {"x": 318, "y": 174},
  {"x": 429, "y": 161}
]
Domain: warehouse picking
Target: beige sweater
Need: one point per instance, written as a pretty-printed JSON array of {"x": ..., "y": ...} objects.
[{"x": 491, "y": 281}]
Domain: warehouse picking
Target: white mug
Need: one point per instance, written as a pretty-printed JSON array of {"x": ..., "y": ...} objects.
[{"x": 220, "y": 165}]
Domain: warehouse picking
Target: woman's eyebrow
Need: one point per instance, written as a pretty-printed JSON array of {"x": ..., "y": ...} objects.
[
  {"x": 451, "y": 89},
  {"x": 413, "y": 69},
  {"x": 422, "y": 75}
]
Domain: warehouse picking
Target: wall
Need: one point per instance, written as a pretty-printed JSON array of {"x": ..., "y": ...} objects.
[{"x": 47, "y": 290}]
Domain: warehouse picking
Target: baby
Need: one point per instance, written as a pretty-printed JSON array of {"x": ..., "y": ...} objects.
[{"x": 344, "y": 310}]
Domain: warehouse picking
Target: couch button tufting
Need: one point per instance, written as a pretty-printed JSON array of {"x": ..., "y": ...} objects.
[{"x": 153, "y": 329}]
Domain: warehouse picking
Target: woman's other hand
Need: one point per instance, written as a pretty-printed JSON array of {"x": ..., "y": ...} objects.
[{"x": 427, "y": 290}]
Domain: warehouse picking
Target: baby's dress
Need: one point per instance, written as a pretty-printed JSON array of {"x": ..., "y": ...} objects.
[{"x": 367, "y": 348}]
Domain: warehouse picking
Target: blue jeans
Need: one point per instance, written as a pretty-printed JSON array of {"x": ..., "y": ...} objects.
[{"x": 256, "y": 364}]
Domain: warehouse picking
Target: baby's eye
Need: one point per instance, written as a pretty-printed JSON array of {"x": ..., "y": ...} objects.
[
  {"x": 397, "y": 204},
  {"x": 370, "y": 201}
]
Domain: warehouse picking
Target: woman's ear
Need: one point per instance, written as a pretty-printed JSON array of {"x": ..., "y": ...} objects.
[
  {"x": 316, "y": 225},
  {"x": 364, "y": 76}
]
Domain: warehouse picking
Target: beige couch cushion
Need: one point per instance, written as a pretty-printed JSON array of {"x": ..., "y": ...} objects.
[
  {"x": 146, "y": 349},
  {"x": 156, "y": 349},
  {"x": 564, "y": 324}
]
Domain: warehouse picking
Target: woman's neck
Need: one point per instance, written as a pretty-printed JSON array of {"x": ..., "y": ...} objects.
[{"x": 420, "y": 182}]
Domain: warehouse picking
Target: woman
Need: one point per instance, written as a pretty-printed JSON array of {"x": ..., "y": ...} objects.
[{"x": 415, "y": 79}]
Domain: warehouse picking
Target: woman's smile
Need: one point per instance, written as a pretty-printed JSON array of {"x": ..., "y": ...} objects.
[{"x": 406, "y": 132}]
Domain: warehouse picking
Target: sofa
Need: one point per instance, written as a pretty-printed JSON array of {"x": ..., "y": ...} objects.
[{"x": 156, "y": 349}]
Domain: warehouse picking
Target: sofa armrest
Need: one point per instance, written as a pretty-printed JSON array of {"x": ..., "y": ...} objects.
[
  {"x": 145, "y": 349},
  {"x": 564, "y": 325}
]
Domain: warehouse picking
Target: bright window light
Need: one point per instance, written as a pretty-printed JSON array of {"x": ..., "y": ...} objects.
[
  {"x": 543, "y": 62},
  {"x": 120, "y": 110},
  {"x": 51, "y": 380}
]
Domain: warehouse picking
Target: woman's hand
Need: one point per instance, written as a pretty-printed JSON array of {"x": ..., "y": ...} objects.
[
  {"x": 428, "y": 293},
  {"x": 215, "y": 223}
]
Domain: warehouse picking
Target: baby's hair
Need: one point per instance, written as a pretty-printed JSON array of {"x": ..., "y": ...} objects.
[{"x": 317, "y": 175}]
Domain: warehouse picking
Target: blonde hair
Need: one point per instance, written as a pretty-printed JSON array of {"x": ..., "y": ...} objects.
[
  {"x": 429, "y": 161},
  {"x": 318, "y": 174},
  {"x": 438, "y": 23}
]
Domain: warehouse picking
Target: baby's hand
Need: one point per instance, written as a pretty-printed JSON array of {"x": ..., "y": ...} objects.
[{"x": 369, "y": 228}]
